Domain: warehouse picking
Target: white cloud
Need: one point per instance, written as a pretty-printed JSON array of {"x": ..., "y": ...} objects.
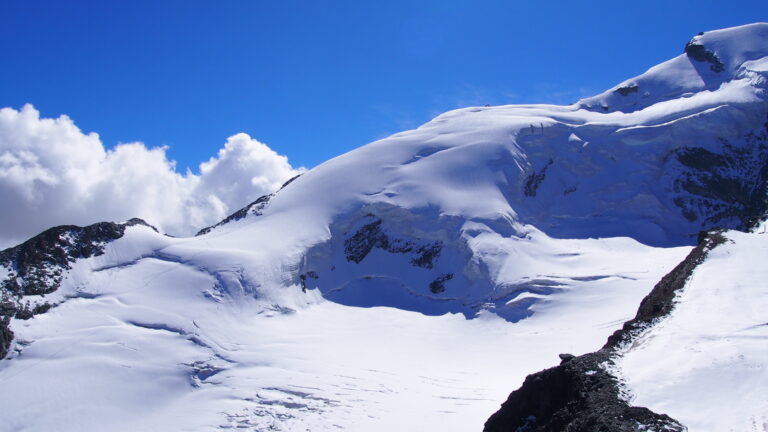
[{"x": 53, "y": 174}]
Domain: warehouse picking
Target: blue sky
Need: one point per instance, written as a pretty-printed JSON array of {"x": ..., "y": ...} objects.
[{"x": 316, "y": 79}]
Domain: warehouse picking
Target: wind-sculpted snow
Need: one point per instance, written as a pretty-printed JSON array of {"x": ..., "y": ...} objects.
[
  {"x": 194, "y": 339},
  {"x": 391, "y": 287},
  {"x": 38, "y": 266}
]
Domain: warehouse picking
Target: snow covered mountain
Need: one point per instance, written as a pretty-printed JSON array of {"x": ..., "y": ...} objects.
[{"x": 411, "y": 283}]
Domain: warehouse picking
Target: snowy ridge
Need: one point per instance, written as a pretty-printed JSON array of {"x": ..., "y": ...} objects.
[
  {"x": 391, "y": 287},
  {"x": 31, "y": 273},
  {"x": 710, "y": 60},
  {"x": 255, "y": 208},
  {"x": 583, "y": 393},
  {"x": 712, "y": 344}
]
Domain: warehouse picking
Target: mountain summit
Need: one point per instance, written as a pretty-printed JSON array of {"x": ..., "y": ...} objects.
[{"x": 408, "y": 284}]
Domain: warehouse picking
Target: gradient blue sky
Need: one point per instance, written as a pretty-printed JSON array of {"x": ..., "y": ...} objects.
[{"x": 316, "y": 79}]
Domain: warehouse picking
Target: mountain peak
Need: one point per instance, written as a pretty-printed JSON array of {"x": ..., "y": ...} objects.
[
  {"x": 709, "y": 60},
  {"x": 728, "y": 49}
]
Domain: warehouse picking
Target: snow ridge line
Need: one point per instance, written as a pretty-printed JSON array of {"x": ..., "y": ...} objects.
[
  {"x": 39, "y": 265},
  {"x": 581, "y": 394},
  {"x": 660, "y": 302}
]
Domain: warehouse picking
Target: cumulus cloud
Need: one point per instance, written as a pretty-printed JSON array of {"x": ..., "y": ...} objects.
[{"x": 51, "y": 173}]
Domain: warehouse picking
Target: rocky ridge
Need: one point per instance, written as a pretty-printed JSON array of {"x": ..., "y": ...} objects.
[
  {"x": 37, "y": 267},
  {"x": 581, "y": 394},
  {"x": 255, "y": 208}
]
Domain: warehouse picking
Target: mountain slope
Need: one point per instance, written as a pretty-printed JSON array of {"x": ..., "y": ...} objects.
[
  {"x": 696, "y": 345},
  {"x": 392, "y": 287},
  {"x": 582, "y": 393},
  {"x": 195, "y": 343},
  {"x": 38, "y": 266},
  {"x": 450, "y": 205},
  {"x": 712, "y": 344}
]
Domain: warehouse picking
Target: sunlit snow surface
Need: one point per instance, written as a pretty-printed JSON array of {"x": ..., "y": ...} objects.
[
  {"x": 165, "y": 344},
  {"x": 543, "y": 216},
  {"x": 707, "y": 363}
]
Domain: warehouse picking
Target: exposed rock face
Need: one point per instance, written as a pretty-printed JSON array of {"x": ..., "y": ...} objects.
[
  {"x": 359, "y": 245},
  {"x": 698, "y": 52},
  {"x": 725, "y": 187},
  {"x": 254, "y": 208},
  {"x": 533, "y": 180},
  {"x": 6, "y": 335},
  {"x": 38, "y": 266},
  {"x": 580, "y": 394},
  {"x": 438, "y": 285},
  {"x": 577, "y": 395},
  {"x": 627, "y": 89},
  {"x": 383, "y": 255}
]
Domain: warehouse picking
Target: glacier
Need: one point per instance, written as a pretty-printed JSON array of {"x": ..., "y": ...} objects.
[{"x": 413, "y": 282}]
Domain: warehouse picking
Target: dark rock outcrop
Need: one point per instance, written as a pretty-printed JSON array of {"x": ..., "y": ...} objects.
[
  {"x": 6, "y": 335},
  {"x": 371, "y": 235},
  {"x": 38, "y": 266},
  {"x": 698, "y": 52},
  {"x": 723, "y": 188},
  {"x": 438, "y": 285},
  {"x": 534, "y": 179},
  {"x": 254, "y": 208},
  {"x": 627, "y": 89},
  {"x": 580, "y": 395}
]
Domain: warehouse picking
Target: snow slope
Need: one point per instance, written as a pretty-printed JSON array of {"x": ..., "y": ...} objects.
[
  {"x": 410, "y": 283},
  {"x": 706, "y": 364},
  {"x": 195, "y": 347},
  {"x": 454, "y": 202},
  {"x": 197, "y": 344},
  {"x": 710, "y": 60}
]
